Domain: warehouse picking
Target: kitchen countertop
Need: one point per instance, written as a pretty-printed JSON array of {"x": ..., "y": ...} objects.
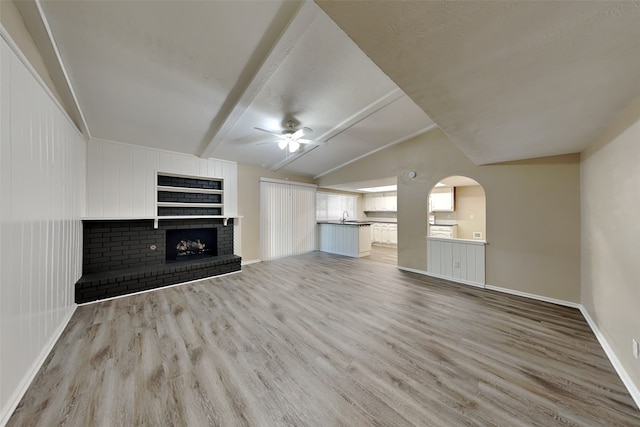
[{"x": 358, "y": 223}]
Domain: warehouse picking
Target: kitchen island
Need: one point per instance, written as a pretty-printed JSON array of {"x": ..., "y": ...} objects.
[{"x": 349, "y": 238}]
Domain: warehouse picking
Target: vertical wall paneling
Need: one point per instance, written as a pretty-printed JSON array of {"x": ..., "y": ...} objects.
[
  {"x": 110, "y": 181},
  {"x": 457, "y": 259},
  {"x": 139, "y": 192},
  {"x": 287, "y": 219},
  {"x": 122, "y": 178},
  {"x": 94, "y": 181},
  {"x": 229, "y": 171},
  {"x": 125, "y": 179},
  {"x": 43, "y": 187}
]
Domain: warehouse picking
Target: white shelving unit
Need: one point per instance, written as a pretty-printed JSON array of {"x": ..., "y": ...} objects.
[{"x": 187, "y": 185}]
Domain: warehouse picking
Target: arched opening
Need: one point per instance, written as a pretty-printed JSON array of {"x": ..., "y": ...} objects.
[{"x": 457, "y": 230}]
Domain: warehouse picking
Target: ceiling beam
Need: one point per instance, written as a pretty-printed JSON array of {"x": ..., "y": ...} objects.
[
  {"x": 354, "y": 119},
  {"x": 84, "y": 128},
  {"x": 397, "y": 141},
  {"x": 241, "y": 97}
]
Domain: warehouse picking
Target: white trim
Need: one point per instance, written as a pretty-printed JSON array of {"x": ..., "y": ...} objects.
[
  {"x": 47, "y": 27},
  {"x": 622, "y": 373},
  {"x": 455, "y": 239},
  {"x": 160, "y": 288},
  {"x": 533, "y": 296},
  {"x": 251, "y": 261},
  {"x": 282, "y": 181},
  {"x": 29, "y": 376},
  {"x": 413, "y": 270},
  {"x": 23, "y": 59}
]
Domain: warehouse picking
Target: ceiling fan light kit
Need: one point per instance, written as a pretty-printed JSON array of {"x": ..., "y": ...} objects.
[{"x": 292, "y": 138}]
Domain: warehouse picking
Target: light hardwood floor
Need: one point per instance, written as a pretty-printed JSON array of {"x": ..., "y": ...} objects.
[
  {"x": 324, "y": 340},
  {"x": 387, "y": 254}
]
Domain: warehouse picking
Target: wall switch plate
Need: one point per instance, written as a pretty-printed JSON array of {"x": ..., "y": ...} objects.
[
  {"x": 636, "y": 348},
  {"x": 477, "y": 234}
]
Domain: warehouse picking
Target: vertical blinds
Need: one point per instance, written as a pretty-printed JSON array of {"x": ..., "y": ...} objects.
[{"x": 287, "y": 219}]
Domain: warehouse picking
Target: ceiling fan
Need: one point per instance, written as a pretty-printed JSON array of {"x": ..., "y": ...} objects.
[{"x": 292, "y": 138}]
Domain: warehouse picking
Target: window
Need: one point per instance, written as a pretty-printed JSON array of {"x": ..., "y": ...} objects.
[{"x": 331, "y": 206}]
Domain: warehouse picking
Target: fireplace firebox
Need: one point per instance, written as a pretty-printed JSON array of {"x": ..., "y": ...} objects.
[{"x": 191, "y": 243}]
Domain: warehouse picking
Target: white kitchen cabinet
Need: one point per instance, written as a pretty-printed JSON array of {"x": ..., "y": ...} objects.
[
  {"x": 368, "y": 202},
  {"x": 448, "y": 231},
  {"x": 376, "y": 202},
  {"x": 393, "y": 234},
  {"x": 390, "y": 201},
  {"x": 442, "y": 199},
  {"x": 384, "y": 233}
]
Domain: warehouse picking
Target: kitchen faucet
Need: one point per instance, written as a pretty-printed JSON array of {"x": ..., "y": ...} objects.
[{"x": 345, "y": 215}]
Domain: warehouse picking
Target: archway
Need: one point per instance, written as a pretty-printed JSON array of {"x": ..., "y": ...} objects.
[{"x": 457, "y": 230}]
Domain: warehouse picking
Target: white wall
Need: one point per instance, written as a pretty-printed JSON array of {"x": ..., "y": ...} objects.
[
  {"x": 122, "y": 178},
  {"x": 42, "y": 183},
  {"x": 610, "y": 284}
]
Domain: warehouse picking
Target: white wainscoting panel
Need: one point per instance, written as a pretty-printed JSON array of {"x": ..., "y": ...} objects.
[
  {"x": 339, "y": 239},
  {"x": 42, "y": 183},
  {"x": 457, "y": 259},
  {"x": 122, "y": 178}
]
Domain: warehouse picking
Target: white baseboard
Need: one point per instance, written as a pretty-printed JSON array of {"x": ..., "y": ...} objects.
[
  {"x": 622, "y": 373},
  {"x": 27, "y": 379},
  {"x": 251, "y": 261},
  {"x": 534, "y": 296}
]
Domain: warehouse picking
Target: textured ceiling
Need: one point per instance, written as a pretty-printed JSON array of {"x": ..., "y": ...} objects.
[{"x": 505, "y": 80}]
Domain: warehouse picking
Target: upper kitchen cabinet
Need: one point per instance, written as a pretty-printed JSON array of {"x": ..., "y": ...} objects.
[
  {"x": 377, "y": 202},
  {"x": 442, "y": 199}
]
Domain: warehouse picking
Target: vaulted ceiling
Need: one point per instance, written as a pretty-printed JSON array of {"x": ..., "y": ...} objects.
[{"x": 505, "y": 80}]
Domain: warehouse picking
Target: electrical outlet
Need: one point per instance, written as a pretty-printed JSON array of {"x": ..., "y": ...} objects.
[{"x": 636, "y": 348}]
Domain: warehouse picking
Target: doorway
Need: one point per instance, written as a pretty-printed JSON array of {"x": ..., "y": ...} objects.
[{"x": 456, "y": 230}]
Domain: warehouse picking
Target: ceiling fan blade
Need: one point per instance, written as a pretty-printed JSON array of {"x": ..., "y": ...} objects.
[
  {"x": 297, "y": 134},
  {"x": 310, "y": 141},
  {"x": 269, "y": 132}
]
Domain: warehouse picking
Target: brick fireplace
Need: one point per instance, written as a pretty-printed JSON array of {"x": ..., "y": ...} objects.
[{"x": 126, "y": 256}]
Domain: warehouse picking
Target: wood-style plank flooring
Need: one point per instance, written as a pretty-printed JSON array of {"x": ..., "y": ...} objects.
[
  {"x": 387, "y": 254},
  {"x": 325, "y": 340}
]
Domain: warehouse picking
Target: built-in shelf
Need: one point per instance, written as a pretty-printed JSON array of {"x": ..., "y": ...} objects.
[
  {"x": 189, "y": 205},
  {"x": 189, "y": 190},
  {"x": 189, "y": 196}
]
